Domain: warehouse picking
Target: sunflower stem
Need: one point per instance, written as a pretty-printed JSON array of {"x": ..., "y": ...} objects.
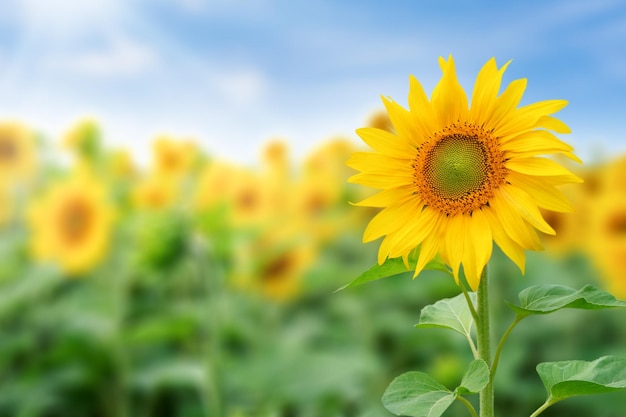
[{"x": 483, "y": 338}]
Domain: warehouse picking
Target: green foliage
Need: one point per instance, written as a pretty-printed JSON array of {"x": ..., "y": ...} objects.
[
  {"x": 571, "y": 378},
  {"x": 449, "y": 313},
  {"x": 417, "y": 394},
  {"x": 395, "y": 266},
  {"x": 475, "y": 379},
  {"x": 544, "y": 299}
]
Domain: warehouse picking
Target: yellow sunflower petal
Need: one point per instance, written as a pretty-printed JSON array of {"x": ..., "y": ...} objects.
[
  {"x": 510, "y": 248},
  {"x": 387, "y": 197},
  {"x": 527, "y": 116},
  {"x": 449, "y": 99},
  {"x": 525, "y": 205},
  {"x": 454, "y": 229},
  {"x": 416, "y": 230},
  {"x": 385, "y": 142},
  {"x": 478, "y": 244},
  {"x": 421, "y": 109},
  {"x": 486, "y": 91},
  {"x": 540, "y": 167},
  {"x": 544, "y": 194},
  {"x": 389, "y": 220},
  {"x": 428, "y": 250},
  {"x": 507, "y": 102},
  {"x": 513, "y": 224},
  {"x": 402, "y": 121},
  {"x": 384, "y": 165},
  {"x": 553, "y": 124}
]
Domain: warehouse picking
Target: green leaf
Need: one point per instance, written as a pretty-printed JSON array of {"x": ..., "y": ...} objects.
[
  {"x": 449, "y": 313},
  {"x": 475, "y": 379},
  {"x": 416, "y": 394},
  {"x": 544, "y": 299},
  {"x": 395, "y": 266},
  {"x": 570, "y": 378}
]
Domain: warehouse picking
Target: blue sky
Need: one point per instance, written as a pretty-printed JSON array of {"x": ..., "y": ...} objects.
[{"x": 233, "y": 74}]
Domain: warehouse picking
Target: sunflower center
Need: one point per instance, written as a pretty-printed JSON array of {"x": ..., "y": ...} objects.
[
  {"x": 459, "y": 169},
  {"x": 8, "y": 150},
  {"x": 75, "y": 221},
  {"x": 456, "y": 166}
]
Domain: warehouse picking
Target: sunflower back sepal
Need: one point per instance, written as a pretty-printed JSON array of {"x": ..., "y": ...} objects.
[
  {"x": 545, "y": 299},
  {"x": 395, "y": 266}
]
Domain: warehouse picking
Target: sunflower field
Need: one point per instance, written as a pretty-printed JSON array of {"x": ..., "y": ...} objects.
[{"x": 191, "y": 286}]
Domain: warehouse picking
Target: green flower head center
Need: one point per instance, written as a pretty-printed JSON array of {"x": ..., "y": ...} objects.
[{"x": 456, "y": 166}]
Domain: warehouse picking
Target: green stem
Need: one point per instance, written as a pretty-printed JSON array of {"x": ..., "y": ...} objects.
[
  {"x": 505, "y": 336},
  {"x": 205, "y": 261},
  {"x": 469, "y": 302},
  {"x": 541, "y": 409},
  {"x": 474, "y": 315},
  {"x": 483, "y": 337},
  {"x": 469, "y": 405}
]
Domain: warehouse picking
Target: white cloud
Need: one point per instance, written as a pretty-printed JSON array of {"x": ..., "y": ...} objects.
[
  {"x": 63, "y": 18},
  {"x": 121, "y": 56},
  {"x": 242, "y": 87}
]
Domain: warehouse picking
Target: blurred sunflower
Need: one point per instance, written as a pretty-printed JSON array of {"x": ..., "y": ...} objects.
[
  {"x": 274, "y": 265},
  {"x": 607, "y": 241},
  {"x": 314, "y": 202},
  {"x": 329, "y": 160},
  {"x": 277, "y": 174},
  {"x": 248, "y": 199},
  {"x": 456, "y": 178},
  {"x": 120, "y": 164},
  {"x": 71, "y": 224},
  {"x": 173, "y": 158},
  {"x": 155, "y": 192},
  {"x": 380, "y": 120},
  {"x": 17, "y": 152},
  {"x": 214, "y": 183},
  {"x": 606, "y": 238}
]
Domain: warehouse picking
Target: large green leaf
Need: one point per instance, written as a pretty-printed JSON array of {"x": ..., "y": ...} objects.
[
  {"x": 475, "y": 379},
  {"x": 395, "y": 266},
  {"x": 544, "y": 299},
  {"x": 449, "y": 313},
  {"x": 570, "y": 378},
  {"x": 416, "y": 394}
]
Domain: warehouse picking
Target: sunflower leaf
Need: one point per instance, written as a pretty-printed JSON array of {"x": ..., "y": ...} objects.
[
  {"x": 449, "y": 313},
  {"x": 392, "y": 267},
  {"x": 475, "y": 379},
  {"x": 544, "y": 299},
  {"x": 417, "y": 394},
  {"x": 571, "y": 378}
]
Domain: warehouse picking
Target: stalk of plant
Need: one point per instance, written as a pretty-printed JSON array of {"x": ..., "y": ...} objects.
[{"x": 454, "y": 179}]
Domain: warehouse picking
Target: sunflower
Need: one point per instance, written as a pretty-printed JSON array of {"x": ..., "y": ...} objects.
[
  {"x": 606, "y": 237},
  {"x": 173, "y": 158},
  {"x": 71, "y": 224},
  {"x": 274, "y": 265},
  {"x": 17, "y": 152},
  {"x": 155, "y": 192},
  {"x": 607, "y": 241},
  {"x": 455, "y": 178},
  {"x": 214, "y": 182}
]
